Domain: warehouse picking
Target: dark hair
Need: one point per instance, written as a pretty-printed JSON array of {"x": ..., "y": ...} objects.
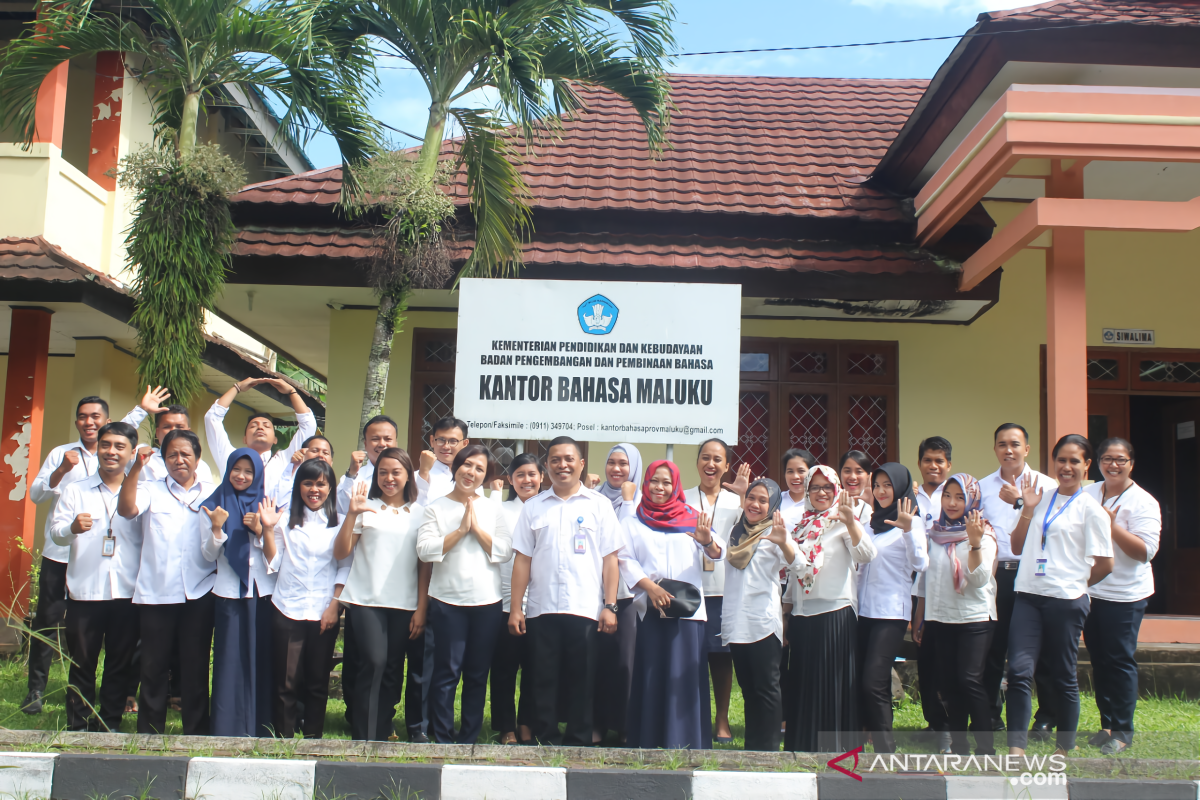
[
  {"x": 936, "y": 443},
  {"x": 858, "y": 457},
  {"x": 189, "y": 436},
  {"x": 313, "y": 438},
  {"x": 174, "y": 409},
  {"x": 524, "y": 460},
  {"x": 707, "y": 442},
  {"x": 410, "y": 483},
  {"x": 91, "y": 400},
  {"x": 797, "y": 452},
  {"x": 470, "y": 452},
  {"x": 120, "y": 429},
  {"x": 564, "y": 440},
  {"x": 1115, "y": 441},
  {"x": 446, "y": 424},
  {"x": 311, "y": 470},
  {"x": 381, "y": 418},
  {"x": 1080, "y": 441},
  {"x": 1011, "y": 426},
  {"x": 260, "y": 415}
]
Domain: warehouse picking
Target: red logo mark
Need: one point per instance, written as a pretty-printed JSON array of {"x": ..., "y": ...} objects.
[{"x": 834, "y": 763}]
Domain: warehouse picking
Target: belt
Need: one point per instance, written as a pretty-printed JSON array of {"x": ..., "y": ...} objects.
[{"x": 1009, "y": 564}]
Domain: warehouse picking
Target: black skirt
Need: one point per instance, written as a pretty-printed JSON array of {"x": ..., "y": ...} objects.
[{"x": 821, "y": 708}]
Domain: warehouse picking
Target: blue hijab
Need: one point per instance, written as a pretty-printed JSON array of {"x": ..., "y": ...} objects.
[{"x": 238, "y": 504}]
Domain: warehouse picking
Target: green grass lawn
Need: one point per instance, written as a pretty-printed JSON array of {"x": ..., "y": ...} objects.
[{"x": 1167, "y": 727}]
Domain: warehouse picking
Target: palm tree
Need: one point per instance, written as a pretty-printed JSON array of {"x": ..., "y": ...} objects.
[
  {"x": 185, "y": 52},
  {"x": 531, "y": 54}
]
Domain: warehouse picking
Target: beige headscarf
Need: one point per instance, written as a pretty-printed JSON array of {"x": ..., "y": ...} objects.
[{"x": 743, "y": 539}]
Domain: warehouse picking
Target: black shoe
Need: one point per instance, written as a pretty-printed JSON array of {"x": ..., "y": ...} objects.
[
  {"x": 416, "y": 737},
  {"x": 943, "y": 743},
  {"x": 1099, "y": 738},
  {"x": 32, "y": 704},
  {"x": 997, "y": 727},
  {"x": 1041, "y": 732}
]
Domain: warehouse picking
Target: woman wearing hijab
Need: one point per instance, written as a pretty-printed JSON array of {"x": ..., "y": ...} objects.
[
  {"x": 750, "y": 621},
  {"x": 822, "y": 713},
  {"x": 241, "y": 683},
  {"x": 668, "y": 540},
  {"x": 615, "y": 651},
  {"x": 958, "y": 608},
  {"x": 885, "y": 595}
]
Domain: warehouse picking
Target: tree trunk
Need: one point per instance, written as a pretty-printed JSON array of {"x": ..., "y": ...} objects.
[
  {"x": 387, "y": 322},
  {"x": 431, "y": 147},
  {"x": 188, "y": 122}
]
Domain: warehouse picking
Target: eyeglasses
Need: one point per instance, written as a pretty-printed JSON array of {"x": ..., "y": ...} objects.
[
  {"x": 440, "y": 442},
  {"x": 822, "y": 489},
  {"x": 1110, "y": 461}
]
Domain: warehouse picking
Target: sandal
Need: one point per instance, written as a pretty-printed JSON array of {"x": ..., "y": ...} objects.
[
  {"x": 131, "y": 706},
  {"x": 508, "y": 738}
]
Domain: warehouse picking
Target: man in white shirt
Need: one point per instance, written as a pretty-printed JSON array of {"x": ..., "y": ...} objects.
[
  {"x": 379, "y": 434},
  {"x": 316, "y": 446},
  {"x": 565, "y": 542},
  {"x": 104, "y": 552},
  {"x": 933, "y": 459},
  {"x": 259, "y": 435},
  {"x": 63, "y": 466},
  {"x": 171, "y": 418},
  {"x": 1002, "y": 506},
  {"x": 449, "y": 435}
]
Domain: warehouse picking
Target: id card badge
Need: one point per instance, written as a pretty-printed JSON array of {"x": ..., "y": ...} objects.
[
  {"x": 1040, "y": 572},
  {"x": 109, "y": 547},
  {"x": 709, "y": 564},
  {"x": 580, "y": 538}
]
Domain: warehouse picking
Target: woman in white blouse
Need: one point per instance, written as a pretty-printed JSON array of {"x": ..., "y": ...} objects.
[
  {"x": 723, "y": 508},
  {"x": 885, "y": 595},
  {"x": 822, "y": 713},
  {"x": 957, "y": 609},
  {"x": 1119, "y": 601},
  {"x": 512, "y": 652},
  {"x": 1064, "y": 540},
  {"x": 854, "y": 470},
  {"x": 309, "y": 582},
  {"x": 386, "y": 596},
  {"x": 797, "y": 465},
  {"x": 751, "y": 623},
  {"x": 466, "y": 539},
  {"x": 667, "y": 540}
]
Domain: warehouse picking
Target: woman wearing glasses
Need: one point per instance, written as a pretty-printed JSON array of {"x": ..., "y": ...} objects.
[
  {"x": 1119, "y": 601},
  {"x": 1064, "y": 541}
]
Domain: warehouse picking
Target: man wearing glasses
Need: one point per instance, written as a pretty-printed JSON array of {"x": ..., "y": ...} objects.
[{"x": 433, "y": 476}]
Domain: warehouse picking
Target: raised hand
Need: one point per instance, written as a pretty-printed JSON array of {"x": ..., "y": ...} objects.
[
  {"x": 1010, "y": 492},
  {"x": 140, "y": 458},
  {"x": 904, "y": 515},
  {"x": 82, "y": 524},
  {"x": 153, "y": 399},
  {"x": 217, "y": 516},
  {"x": 297, "y": 458},
  {"x": 846, "y": 509},
  {"x": 628, "y": 490},
  {"x": 740, "y": 484},
  {"x": 593, "y": 480},
  {"x": 703, "y": 533},
  {"x": 778, "y": 534},
  {"x": 268, "y": 514},
  {"x": 427, "y": 461},
  {"x": 69, "y": 462},
  {"x": 1032, "y": 496},
  {"x": 975, "y": 528},
  {"x": 497, "y": 485},
  {"x": 250, "y": 521},
  {"x": 468, "y": 518},
  {"x": 359, "y": 504}
]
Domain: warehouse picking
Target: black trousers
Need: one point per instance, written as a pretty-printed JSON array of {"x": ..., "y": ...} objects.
[
  {"x": 993, "y": 673},
  {"x": 878, "y": 645},
  {"x": 92, "y": 626},
  {"x": 1111, "y": 634},
  {"x": 1045, "y": 632},
  {"x": 563, "y": 646},
  {"x": 962, "y": 651},
  {"x": 510, "y": 656},
  {"x": 381, "y": 645},
  {"x": 302, "y": 658},
  {"x": 47, "y": 621},
  {"x": 160, "y": 624},
  {"x": 933, "y": 706},
  {"x": 757, "y": 668},
  {"x": 464, "y": 640}
]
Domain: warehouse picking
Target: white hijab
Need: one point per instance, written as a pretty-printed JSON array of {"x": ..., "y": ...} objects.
[{"x": 613, "y": 493}]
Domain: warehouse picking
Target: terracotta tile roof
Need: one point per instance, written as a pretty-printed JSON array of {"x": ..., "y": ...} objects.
[
  {"x": 1145, "y": 12},
  {"x": 34, "y": 258},
  {"x": 739, "y": 145},
  {"x": 287, "y": 242}
]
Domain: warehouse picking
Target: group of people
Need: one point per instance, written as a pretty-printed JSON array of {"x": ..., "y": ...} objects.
[{"x": 613, "y": 598}]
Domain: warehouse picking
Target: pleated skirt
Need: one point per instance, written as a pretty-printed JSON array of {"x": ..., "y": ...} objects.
[
  {"x": 241, "y": 682},
  {"x": 821, "y": 706},
  {"x": 669, "y": 699}
]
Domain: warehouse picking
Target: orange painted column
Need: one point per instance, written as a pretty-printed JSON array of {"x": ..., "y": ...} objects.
[
  {"x": 1066, "y": 317},
  {"x": 106, "y": 118},
  {"x": 21, "y": 449},
  {"x": 51, "y": 107}
]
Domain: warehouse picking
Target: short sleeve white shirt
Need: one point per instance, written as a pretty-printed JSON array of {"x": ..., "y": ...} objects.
[
  {"x": 725, "y": 515},
  {"x": 647, "y": 553},
  {"x": 308, "y": 572},
  {"x": 511, "y": 509},
  {"x": 1002, "y": 515},
  {"x": 384, "y": 572},
  {"x": 1077, "y": 532},
  {"x": 172, "y": 568},
  {"x": 467, "y": 575},
  {"x": 1139, "y": 514},
  {"x": 91, "y": 575}
]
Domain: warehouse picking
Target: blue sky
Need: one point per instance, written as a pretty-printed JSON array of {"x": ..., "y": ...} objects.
[{"x": 707, "y": 25}]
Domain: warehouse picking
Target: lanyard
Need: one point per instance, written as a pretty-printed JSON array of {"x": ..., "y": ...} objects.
[
  {"x": 1048, "y": 520},
  {"x": 111, "y": 514},
  {"x": 181, "y": 501},
  {"x": 83, "y": 456},
  {"x": 1104, "y": 496}
]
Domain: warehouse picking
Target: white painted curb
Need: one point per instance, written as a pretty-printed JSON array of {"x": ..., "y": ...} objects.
[
  {"x": 250, "y": 779},
  {"x": 503, "y": 783},
  {"x": 984, "y": 787},
  {"x": 32, "y": 775},
  {"x": 758, "y": 785}
]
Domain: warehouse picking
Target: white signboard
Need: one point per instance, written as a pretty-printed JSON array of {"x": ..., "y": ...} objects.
[
  {"x": 598, "y": 360},
  {"x": 1128, "y": 336}
]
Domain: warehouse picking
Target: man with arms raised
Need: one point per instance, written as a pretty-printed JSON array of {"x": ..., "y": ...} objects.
[{"x": 565, "y": 543}]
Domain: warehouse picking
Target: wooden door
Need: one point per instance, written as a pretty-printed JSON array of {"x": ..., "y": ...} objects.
[
  {"x": 1108, "y": 415},
  {"x": 1179, "y": 555}
]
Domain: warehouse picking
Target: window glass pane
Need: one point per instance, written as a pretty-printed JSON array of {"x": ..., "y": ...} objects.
[
  {"x": 756, "y": 362},
  {"x": 1169, "y": 371},
  {"x": 808, "y": 424},
  {"x": 866, "y": 364},
  {"x": 439, "y": 402},
  {"x": 1103, "y": 369},
  {"x": 805, "y": 363},
  {"x": 439, "y": 352},
  {"x": 754, "y": 419},
  {"x": 867, "y": 426}
]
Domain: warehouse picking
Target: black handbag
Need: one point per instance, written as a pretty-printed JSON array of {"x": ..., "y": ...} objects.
[{"x": 686, "y": 600}]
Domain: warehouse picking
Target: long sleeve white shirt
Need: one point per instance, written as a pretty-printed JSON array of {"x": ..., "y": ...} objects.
[
  {"x": 1139, "y": 513},
  {"x": 308, "y": 572},
  {"x": 943, "y": 603},
  {"x": 346, "y": 485},
  {"x": 40, "y": 491},
  {"x": 752, "y": 609},
  {"x": 885, "y": 582},
  {"x": 440, "y": 482},
  {"x": 173, "y": 568},
  {"x": 91, "y": 575},
  {"x": 836, "y": 585},
  {"x": 273, "y": 464},
  {"x": 229, "y": 583},
  {"x": 724, "y": 516},
  {"x": 1002, "y": 515},
  {"x": 468, "y": 575},
  {"x": 385, "y": 569},
  {"x": 156, "y": 469},
  {"x": 647, "y": 553}
]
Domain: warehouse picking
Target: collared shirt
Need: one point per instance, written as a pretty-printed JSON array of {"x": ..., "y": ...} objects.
[
  {"x": 91, "y": 575},
  {"x": 553, "y": 532},
  {"x": 40, "y": 490},
  {"x": 273, "y": 464},
  {"x": 752, "y": 609},
  {"x": 724, "y": 515},
  {"x": 1139, "y": 514},
  {"x": 647, "y": 553},
  {"x": 384, "y": 572},
  {"x": 1001, "y": 514},
  {"x": 836, "y": 585},
  {"x": 511, "y": 509},
  {"x": 786, "y": 503},
  {"x": 156, "y": 469},
  {"x": 308, "y": 572},
  {"x": 229, "y": 583},
  {"x": 885, "y": 583},
  {"x": 943, "y": 603},
  {"x": 173, "y": 568},
  {"x": 440, "y": 482},
  {"x": 1074, "y": 539},
  {"x": 930, "y": 506},
  {"x": 468, "y": 575}
]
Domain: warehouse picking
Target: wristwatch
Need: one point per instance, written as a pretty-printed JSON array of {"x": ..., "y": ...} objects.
[
  {"x": 611, "y": 607},
  {"x": 1019, "y": 504}
]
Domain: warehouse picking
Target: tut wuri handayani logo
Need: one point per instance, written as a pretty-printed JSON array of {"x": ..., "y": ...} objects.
[{"x": 597, "y": 315}]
